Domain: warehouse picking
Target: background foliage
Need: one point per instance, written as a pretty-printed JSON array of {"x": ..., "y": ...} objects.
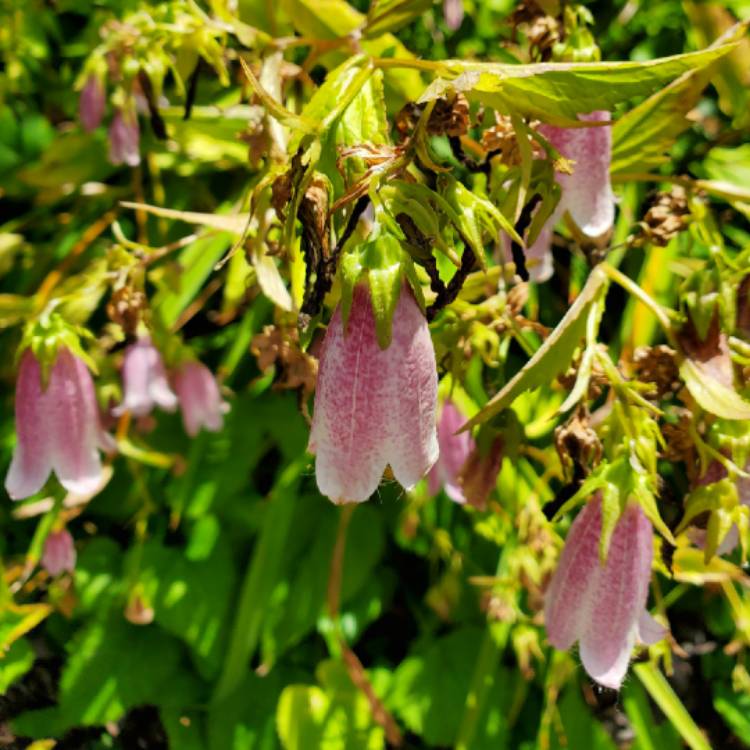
[{"x": 220, "y": 602}]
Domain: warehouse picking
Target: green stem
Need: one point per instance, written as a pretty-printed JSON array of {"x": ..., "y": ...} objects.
[{"x": 662, "y": 694}]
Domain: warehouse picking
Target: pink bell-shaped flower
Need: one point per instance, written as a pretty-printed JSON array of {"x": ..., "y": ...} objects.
[
  {"x": 453, "y": 13},
  {"x": 603, "y": 606},
  {"x": 199, "y": 397},
  {"x": 586, "y": 193},
  {"x": 91, "y": 104},
  {"x": 454, "y": 450},
  {"x": 145, "y": 381},
  {"x": 58, "y": 428},
  {"x": 374, "y": 407},
  {"x": 124, "y": 139},
  {"x": 59, "y": 553}
]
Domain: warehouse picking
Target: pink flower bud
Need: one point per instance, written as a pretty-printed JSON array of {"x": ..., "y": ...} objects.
[
  {"x": 478, "y": 476},
  {"x": 124, "y": 137},
  {"x": 200, "y": 399},
  {"x": 454, "y": 451},
  {"x": 91, "y": 104},
  {"x": 145, "y": 381},
  {"x": 603, "y": 606},
  {"x": 59, "y": 553},
  {"x": 374, "y": 407},
  {"x": 453, "y": 12},
  {"x": 58, "y": 428}
]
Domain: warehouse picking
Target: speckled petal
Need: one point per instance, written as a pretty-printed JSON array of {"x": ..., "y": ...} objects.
[
  {"x": 353, "y": 409},
  {"x": 569, "y": 598},
  {"x": 413, "y": 445},
  {"x": 72, "y": 417},
  {"x": 619, "y": 600},
  {"x": 32, "y": 460},
  {"x": 587, "y": 193}
]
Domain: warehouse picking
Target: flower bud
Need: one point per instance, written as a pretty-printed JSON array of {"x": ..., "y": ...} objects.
[
  {"x": 199, "y": 397},
  {"x": 124, "y": 137},
  {"x": 91, "y": 104},
  {"x": 59, "y": 553},
  {"x": 145, "y": 381}
]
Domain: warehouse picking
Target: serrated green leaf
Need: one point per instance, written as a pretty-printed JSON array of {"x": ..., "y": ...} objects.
[
  {"x": 643, "y": 136},
  {"x": 551, "y": 91},
  {"x": 390, "y": 15}
]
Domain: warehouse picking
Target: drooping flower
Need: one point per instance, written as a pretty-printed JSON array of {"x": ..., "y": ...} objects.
[
  {"x": 124, "y": 138},
  {"x": 91, "y": 104},
  {"x": 603, "y": 606},
  {"x": 453, "y": 12},
  {"x": 145, "y": 381},
  {"x": 199, "y": 397},
  {"x": 478, "y": 476},
  {"x": 586, "y": 193},
  {"x": 454, "y": 450},
  {"x": 58, "y": 428},
  {"x": 59, "y": 553},
  {"x": 374, "y": 407}
]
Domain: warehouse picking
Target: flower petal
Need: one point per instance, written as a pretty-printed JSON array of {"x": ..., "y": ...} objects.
[
  {"x": 569, "y": 597},
  {"x": 73, "y": 423},
  {"x": 413, "y": 445},
  {"x": 587, "y": 193},
  {"x": 32, "y": 460},
  {"x": 619, "y": 599},
  {"x": 353, "y": 409}
]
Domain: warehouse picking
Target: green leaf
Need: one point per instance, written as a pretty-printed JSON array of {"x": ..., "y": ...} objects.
[
  {"x": 335, "y": 716},
  {"x": 643, "y": 136},
  {"x": 190, "y": 599},
  {"x": 711, "y": 395},
  {"x": 432, "y": 681},
  {"x": 552, "y": 357},
  {"x": 245, "y": 719},
  {"x": 112, "y": 666},
  {"x": 579, "y": 725},
  {"x": 551, "y": 92},
  {"x": 197, "y": 261},
  {"x": 734, "y": 708},
  {"x": 15, "y": 662},
  {"x": 391, "y": 15}
]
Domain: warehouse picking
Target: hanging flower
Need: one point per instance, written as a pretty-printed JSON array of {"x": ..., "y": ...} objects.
[
  {"x": 454, "y": 450},
  {"x": 58, "y": 428},
  {"x": 453, "y": 12},
  {"x": 91, "y": 104},
  {"x": 374, "y": 407},
  {"x": 124, "y": 138},
  {"x": 199, "y": 397},
  {"x": 145, "y": 381},
  {"x": 59, "y": 553},
  {"x": 478, "y": 476},
  {"x": 603, "y": 606},
  {"x": 586, "y": 193}
]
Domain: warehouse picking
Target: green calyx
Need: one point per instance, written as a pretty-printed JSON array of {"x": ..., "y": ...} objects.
[
  {"x": 49, "y": 333},
  {"x": 383, "y": 261}
]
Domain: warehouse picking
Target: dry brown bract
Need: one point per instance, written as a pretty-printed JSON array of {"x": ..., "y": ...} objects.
[
  {"x": 665, "y": 219},
  {"x": 657, "y": 365}
]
